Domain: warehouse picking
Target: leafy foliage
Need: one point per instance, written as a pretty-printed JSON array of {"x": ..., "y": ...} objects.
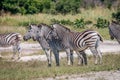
[
  {"x": 25, "y": 6},
  {"x": 50, "y": 6},
  {"x": 79, "y": 23},
  {"x": 102, "y": 23},
  {"x": 66, "y": 6}
]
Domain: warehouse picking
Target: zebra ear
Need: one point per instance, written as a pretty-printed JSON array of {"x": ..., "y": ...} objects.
[
  {"x": 52, "y": 27},
  {"x": 39, "y": 26}
]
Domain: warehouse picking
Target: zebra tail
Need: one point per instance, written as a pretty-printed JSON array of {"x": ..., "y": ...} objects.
[
  {"x": 19, "y": 36},
  {"x": 101, "y": 38}
]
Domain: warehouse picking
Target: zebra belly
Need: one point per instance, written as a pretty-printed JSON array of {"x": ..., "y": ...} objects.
[
  {"x": 4, "y": 44},
  {"x": 80, "y": 48}
]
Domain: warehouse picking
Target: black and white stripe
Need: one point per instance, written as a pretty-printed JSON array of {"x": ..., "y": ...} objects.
[
  {"x": 11, "y": 39},
  {"x": 79, "y": 41}
]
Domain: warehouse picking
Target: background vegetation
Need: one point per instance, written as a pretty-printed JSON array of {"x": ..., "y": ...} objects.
[{"x": 53, "y": 6}]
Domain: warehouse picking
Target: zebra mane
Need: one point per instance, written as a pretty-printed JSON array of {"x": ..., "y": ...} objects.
[
  {"x": 42, "y": 24},
  {"x": 67, "y": 29},
  {"x": 29, "y": 27}
]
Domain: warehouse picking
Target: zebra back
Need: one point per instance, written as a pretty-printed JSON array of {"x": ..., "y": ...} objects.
[{"x": 10, "y": 39}]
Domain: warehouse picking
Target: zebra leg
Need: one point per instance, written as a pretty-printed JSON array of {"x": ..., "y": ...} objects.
[
  {"x": 68, "y": 56},
  {"x": 99, "y": 55},
  {"x": 84, "y": 57},
  {"x": 19, "y": 51},
  {"x": 48, "y": 54},
  {"x": 95, "y": 53},
  {"x": 0, "y": 55},
  {"x": 56, "y": 54},
  {"x": 71, "y": 56},
  {"x": 14, "y": 51},
  {"x": 80, "y": 58}
]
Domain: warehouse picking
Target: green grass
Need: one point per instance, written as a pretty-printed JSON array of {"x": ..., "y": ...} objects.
[{"x": 38, "y": 69}]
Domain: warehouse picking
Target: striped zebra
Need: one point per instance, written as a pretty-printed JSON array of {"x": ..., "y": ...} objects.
[
  {"x": 78, "y": 41},
  {"x": 32, "y": 32},
  {"x": 40, "y": 33},
  {"x": 114, "y": 29},
  {"x": 56, "y": 45},
  {"x": 11, "y": 39}
]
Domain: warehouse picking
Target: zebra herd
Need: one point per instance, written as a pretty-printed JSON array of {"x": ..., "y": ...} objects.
[{"x": 56, "y": 38}]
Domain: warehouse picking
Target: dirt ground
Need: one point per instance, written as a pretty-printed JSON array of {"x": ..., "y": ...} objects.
[
  {"x": 102, "y": 75},
  {"x": 106, "y": 46}
]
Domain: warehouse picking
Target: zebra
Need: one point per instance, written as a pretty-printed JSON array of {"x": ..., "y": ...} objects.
[
  {"x": 78, "y": 41},
  {"x": 11, "y": 39},
  {"x": 114, "y": 29},
  {"x": 32, "y": 33},
  {"x": 40, "y": 34},
  {"x": 57, "y": 46}
]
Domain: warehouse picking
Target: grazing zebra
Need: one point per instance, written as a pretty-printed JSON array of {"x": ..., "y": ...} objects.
[
  {"x": 78, "y": 41},
  {"x": 11, "y": 39}
]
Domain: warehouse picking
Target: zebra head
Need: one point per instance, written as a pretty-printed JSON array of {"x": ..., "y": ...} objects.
[
  {"x": 58, "y": 31},
  {"x": 32, "y": 33},
  {"x": 46, "y": 31}
]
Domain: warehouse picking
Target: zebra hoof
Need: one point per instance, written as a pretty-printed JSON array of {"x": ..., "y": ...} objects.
[
  {"x": 18, "y": 58},
  {"x": 96, "y": 64},
  {"x": 12, "y": 58},
  {"x": 0, "y": 57},
  {"x": 57, "y": 64},
  {"x": 49, "y": 65}
]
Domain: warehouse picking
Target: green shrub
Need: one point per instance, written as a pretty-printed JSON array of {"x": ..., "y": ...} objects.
[
  {"x": 102, "y": 23},
  {"x": 66, "y": 6},
  {"x": 81, "y": 23}
]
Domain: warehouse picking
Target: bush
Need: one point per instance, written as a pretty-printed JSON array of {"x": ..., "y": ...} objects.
[
  {"x": 66, "y": 6},
  {"x": 81, "y": 23},
  {"x": 50, "y": 6},
  {"x": 102, "y": 23}
]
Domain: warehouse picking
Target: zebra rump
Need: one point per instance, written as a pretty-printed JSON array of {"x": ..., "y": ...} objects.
[{"x": 11, "y": 39}]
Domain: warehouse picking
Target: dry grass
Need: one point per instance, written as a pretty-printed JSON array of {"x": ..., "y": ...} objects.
[
  {"x": 90, "y": 14},
  {"x": 17, "y": 23},
  {"x": 37, "y": 69}
]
